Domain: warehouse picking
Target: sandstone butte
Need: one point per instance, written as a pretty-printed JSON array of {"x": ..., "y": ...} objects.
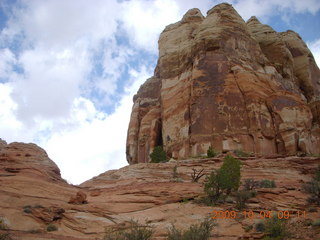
[
  {"x": 227, "y": 83},
  {"x": 219, "y": 81}
]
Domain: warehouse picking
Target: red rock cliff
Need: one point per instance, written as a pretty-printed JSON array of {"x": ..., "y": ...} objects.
[{"x": 234, "y": 85}]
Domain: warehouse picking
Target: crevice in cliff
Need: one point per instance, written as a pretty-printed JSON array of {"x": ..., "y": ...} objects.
[
  {"x": 246, "y": 109},
  {"x": 275, "y": 128}
]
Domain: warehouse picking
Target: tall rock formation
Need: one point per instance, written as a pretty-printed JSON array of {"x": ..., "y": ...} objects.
[{"x": 234, "y": 85}]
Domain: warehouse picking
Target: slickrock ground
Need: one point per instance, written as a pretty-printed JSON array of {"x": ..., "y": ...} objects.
[
  {"x": 228, "y": 83},
  {"x": 32, "y": 195}
]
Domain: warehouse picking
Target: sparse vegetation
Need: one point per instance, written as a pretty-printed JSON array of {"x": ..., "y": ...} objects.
[
  {"x": 195, "y": 175},
  {"x": 250, "y": 184},
  {"x": 211, "y": 152},
  {"x": 27, "y": 209},
  {"x": 276, "y": 228},
  {"x": 260, "y": 226},
  {"x": 158, "y": 155},
  {"x": 3, "y": 225},
  {"x": 248, "y": 228},
  {"x": 242, "y": 197},
  {"x": 224, "y": 180},
  {"x": 5, "y": 236},
  {"x": 175, "y": 173},
  {"x": 312, "y": 209},
  {"x": 313, "y": 188},
  {"x": 265, "y": 183},
  {"x": 316, "y": 223},
  {"x": 199, "y": 231},
  {"x": 51, "y": 227},
  {"x": 135, "y": 231},
  {"x": 240, "y": 153}
]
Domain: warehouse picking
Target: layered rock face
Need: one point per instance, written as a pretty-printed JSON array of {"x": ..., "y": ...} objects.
[{"x": 223, "y": 82}]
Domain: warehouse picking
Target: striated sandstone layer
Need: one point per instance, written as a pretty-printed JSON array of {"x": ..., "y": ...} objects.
[
  {"x": 227, "y": 83},
  {"x": 33, "y": 195}
]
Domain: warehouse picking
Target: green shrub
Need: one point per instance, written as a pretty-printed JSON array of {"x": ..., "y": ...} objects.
[
  {"x": 265, "y": 183},
  {"x": 212, "y": 187},
  {"x": 313, "y": 188},
  {"x": 27, "y": 209},
  {"x": 3, "y": 225},
  {"x": 316, "y": 223},
  {"x": 317, "y": 174},
  {"x": 229, "y": 174},
  {"x": 248, "y": 228},
  {"x": 241, "y": 198},
  {"x": 5, "y": 236},
  {"x": 276, "y": 228},
  {"x": 260, "y": 226},
  {"x": 195, "y": 232},
  {"x": 175, "y": 173},
  {"x": 51, "y": 227},
  {"x": 135, "y": 231},
  {"x": 211, "y": 153},
  {"x": 158, "y": 155},
  {"x": 240, "y": 153},
  {"x": 224, "y": 180},
  {"x": 250, "y": 184}
]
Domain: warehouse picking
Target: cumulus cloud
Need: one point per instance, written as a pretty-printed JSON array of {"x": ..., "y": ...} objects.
[
  {"x": 265, "y": 9},
  {"x": 144, "y": 20},
  {"x": 98, "y": 142}
]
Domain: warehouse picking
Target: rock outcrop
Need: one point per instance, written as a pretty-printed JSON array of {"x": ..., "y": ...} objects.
[{"x": 223, "y": 82}]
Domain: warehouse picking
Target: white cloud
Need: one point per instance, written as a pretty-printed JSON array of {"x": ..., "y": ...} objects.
[
  {"x": 54, "y": 23},
  {"x": 144, "y": 21},
  {"x": 264, "y": 9},
  {"x": 315, "y": 49},
  {"x": 96, "y": 145}
]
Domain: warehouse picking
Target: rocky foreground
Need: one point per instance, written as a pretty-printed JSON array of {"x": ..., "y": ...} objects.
[{"x": 33, "y": 196}]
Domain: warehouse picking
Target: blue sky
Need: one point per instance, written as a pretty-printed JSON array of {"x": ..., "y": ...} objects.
[{"x": 69, "y": 69}]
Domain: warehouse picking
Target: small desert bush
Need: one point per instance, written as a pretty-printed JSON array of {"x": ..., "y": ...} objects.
[
  {"x": 250, "y": 184},
  {"x": 135, "y": 231},
  {"x": 158, "y": 155},
  {"x": 248, "y": 228},
  {"x": 240, "y": 153},
  {"x": 175, "y": 173},
  {"x": 259, "y": 226},
  {"x": 27, "y": 209},
  {"x": 211, "y": 152},
  {"x": 3, "y": 225},
  {"x": 199, "y": 231},
  {"x": 316, "y": 223},
  {"x": 276, "y": 228},
  {"x": 242, "y": 197},
  {"x": 265, "y": 183},
  {"x": 313, "y": 188},
  {"x": 51, "y": 227},
  {"x": 5, "y": 236},
  {"x": 220, "y": 183}
]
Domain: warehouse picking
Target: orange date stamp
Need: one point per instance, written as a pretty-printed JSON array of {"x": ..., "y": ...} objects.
[{"x": 281, "y": 214}]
